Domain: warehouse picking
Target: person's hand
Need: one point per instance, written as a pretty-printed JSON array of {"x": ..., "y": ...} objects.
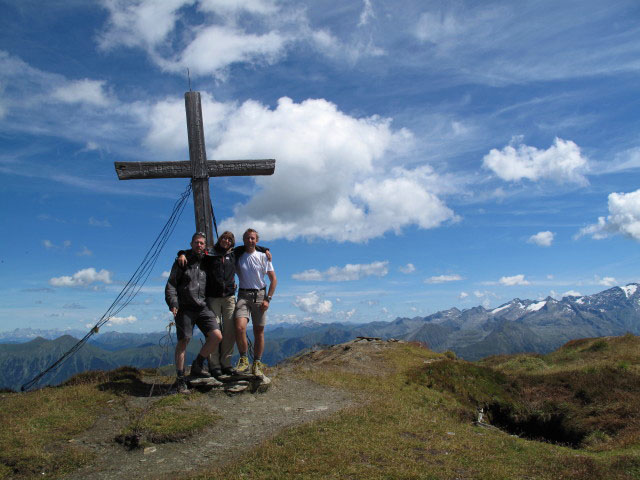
[
  {"x": 268, "y": 254},
  {"x": 264, "y": 306},
  {"x": 182, "y": 260},
  {"x": 174, "y": 310}
]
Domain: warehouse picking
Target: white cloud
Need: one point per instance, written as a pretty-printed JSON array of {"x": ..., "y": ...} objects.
[
  {"x": 85, "y": 252},
  {"x": 542, "y": 239},
  {"x": 82, "y": 278},
  {"x": 367, "y": 13},
  {"x": 623, "y": 218},
  {"x": 90, "y": 92},
  {"x": 463, "y": 295},
  {"x": 606, "y": 281},
  {"x": 122, "y": 320},
  {"x": 220, "y": 39},
  {"x": 165, "y": 274},
  {"x": 349, "y": 192},
  {"x": 443, "y": 278},
  {"x": 408, "y": 268},
  {"x": 561, "y": 162},
  {"x": 571, "y": 293},
  {"x": 217, "y": 47},
  {"x": 347, "y": 273},
  {"x": 144, "y": 23},
  {"x": 99, "y": 223},
  {"x": 514, "y": 280},
  {"x": 49, "y": 245},
  {"x": 311, "y": 303}
]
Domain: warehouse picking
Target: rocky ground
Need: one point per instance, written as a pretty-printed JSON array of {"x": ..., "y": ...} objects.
[{"x": 247, "y": 420}]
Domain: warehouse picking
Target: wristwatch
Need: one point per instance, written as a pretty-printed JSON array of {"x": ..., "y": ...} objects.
[{"x": 268, "y": 298}]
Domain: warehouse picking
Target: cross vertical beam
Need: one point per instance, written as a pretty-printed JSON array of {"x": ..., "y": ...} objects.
[
  {"x": 197, "y": 168},
  {"x": 199, "y": 174}
]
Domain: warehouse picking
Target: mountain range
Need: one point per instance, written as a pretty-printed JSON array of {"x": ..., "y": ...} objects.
[{"x": 517, "y": 326}]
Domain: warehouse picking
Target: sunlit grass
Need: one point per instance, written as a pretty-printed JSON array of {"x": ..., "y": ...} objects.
[
  {"x": 37, "y": 427},
  {"x": 402, "y": 428}
]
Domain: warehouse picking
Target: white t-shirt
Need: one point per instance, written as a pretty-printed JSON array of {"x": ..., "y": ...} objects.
[{"x": 251, "y": 269}]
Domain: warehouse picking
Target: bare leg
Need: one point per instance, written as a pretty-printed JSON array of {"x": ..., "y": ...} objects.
[
  {"x": 181, "y": 348},
  {"x": 213, "y": 339},
  {"x": 258, "y": 341},
  {"x": 241, "y": 335}
]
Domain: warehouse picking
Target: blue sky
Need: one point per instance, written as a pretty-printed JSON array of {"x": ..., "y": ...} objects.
[{"x": 429, "y": 154}]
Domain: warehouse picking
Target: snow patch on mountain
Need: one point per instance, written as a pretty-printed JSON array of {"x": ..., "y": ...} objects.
[
  {"x": 534, "y": 307},
  {"x": 629, "y": 289}
]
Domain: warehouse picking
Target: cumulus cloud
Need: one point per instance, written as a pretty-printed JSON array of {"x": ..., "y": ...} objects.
[
  {"x": 311, "y": 303},
  {"x": 165, "y": 274},
  {"x": 514, "y": 280},
  {"x": 443, "y": 278},
  {"x": 408, "y": 268},
  {"x": 347, "y": 273},
  {"x": 332, "y": 178},
  {"x": 463, "y": 295},
  {"x": 122, "y": 320},
  {"x": 561, "y": 162},
  {"x": 623, "y": 218},
  {"x": 85, "y": 252},
  {"x": 82, "y": 278},
  {"x": 542, "y": 239}
]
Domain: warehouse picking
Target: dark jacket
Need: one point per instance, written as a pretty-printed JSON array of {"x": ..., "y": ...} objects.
[
  {"x": 186, "y": 286},
  {"x": 220, "y": 268}
]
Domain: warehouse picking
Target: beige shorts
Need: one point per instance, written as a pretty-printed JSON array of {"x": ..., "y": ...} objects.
[{"x": 248, "y": 306}]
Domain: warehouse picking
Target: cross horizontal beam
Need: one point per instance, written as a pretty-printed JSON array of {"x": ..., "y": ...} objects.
[{"x": 184, "y": 169}]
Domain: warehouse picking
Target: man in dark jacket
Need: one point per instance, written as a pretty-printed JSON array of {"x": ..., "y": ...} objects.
[{"x": 185, "y": 295}]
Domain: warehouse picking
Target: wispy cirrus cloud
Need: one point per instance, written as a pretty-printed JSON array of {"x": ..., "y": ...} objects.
[{"x": 444, "y": 278}]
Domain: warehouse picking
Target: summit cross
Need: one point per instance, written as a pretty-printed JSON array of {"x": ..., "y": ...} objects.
[{"x": 198, "y": 168}]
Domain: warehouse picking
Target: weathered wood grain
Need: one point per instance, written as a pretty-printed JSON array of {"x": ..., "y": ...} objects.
[{"x": 182, "y": 169}]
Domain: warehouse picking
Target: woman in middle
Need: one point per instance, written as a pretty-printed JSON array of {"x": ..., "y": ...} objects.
[{"x": 220, "y": 267}]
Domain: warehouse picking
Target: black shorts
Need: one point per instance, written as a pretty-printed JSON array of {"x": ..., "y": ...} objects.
[{"x": 187, "y": 319}]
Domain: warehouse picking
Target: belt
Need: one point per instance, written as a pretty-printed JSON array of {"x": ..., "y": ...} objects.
[{"x": 252, "y": 290}]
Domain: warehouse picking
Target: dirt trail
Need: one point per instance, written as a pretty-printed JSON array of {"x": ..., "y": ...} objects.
[{"x": 248, "y": 419}]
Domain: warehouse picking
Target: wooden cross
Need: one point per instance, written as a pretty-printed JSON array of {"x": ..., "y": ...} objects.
[{"x": 198, "y": 168}]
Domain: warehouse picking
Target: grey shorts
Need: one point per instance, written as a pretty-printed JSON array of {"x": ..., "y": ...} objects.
[
  {"x": 187, "y": 319},
  {"x": 248, "y": 306}
]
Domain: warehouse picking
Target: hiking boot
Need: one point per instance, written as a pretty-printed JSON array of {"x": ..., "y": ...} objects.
[
  {"x": 199, "y": 370},
  {"x": 228, "y": 371},
  {"x": 243, "y": 365},
  {"x": 256, "y": 368},
  {"x": 181, "y": 386},
  {"x": 215, "y": 372}
]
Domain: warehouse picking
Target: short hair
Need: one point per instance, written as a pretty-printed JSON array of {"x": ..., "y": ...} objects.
[
  {"x": 248, "y": 231},
  {"x": 228, "y": 235},
  {"x": 198, "y": 234}
]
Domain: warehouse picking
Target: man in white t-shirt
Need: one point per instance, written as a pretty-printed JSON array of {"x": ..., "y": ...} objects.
[{"x": 253, "y": 301}]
